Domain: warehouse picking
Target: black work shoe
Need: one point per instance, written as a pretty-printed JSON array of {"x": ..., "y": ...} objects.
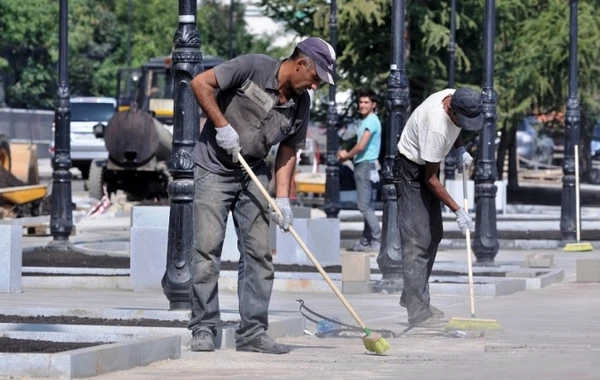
[
  {"x": 202, "y": 341},
  {"x": 264, "y": 344},
  {"x": 431, "y": 322},
  {"x": 437, "y": 313}
]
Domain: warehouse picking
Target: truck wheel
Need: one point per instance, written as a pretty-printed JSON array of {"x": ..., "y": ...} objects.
[
  {"x": 96, "y": 179},
  {"x": 5, "y": 160}
]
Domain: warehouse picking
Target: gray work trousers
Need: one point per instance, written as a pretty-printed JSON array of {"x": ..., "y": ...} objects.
[
  {"x": 215, "y": 196},
  {"x": 421, "y": 230}
]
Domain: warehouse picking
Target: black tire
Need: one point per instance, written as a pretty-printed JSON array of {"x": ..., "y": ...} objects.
[
  {"x": 96, "y": 179},
  {"x": 85, "y": 171},
  {"x": 5, "y": 159}
]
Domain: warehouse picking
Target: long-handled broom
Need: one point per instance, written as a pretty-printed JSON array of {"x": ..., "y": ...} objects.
[
  {"x": 373, "y": 341},
  {"x": 578, "y": 246},
  {"x": 472, "y": 323}
]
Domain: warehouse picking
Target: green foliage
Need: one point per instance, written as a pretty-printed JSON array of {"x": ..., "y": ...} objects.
[{"x": 98, "y": 34}]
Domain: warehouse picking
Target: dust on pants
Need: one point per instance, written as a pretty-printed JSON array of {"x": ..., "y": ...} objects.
[{"x": 421, "y": 230}]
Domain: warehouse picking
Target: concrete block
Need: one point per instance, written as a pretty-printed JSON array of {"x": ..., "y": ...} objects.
[
  {"x": 150, "y": 216},
  {"x": 148, "y": 257},
  {"x": 356, "y": 266},
  {"x": 538, "y": 260},
  {"x": 10, "y": 258},
  {"x": 588, "y": 270},
  {"x": 357, "y": 287},
  {"x": 321, "y": 236}
]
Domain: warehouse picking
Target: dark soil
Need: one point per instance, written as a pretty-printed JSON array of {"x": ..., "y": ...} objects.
[
  {"x": 41, "y": 346},
  {"x": 69, "y": 320},
  {"x": 48, "y": 257}
]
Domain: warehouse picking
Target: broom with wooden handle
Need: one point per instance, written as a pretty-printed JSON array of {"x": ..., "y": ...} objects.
[
  {"x": 373, "y": 341},
  {"x": 578, "y": 246},
  {"x": 470, "y": 323}
]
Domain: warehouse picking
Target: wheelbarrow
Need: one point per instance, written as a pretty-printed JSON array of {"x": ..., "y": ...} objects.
[{"x": 20, "y": 195}]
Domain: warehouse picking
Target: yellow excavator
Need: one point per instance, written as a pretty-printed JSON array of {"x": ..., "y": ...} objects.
[{"x": 19, "y": 178}]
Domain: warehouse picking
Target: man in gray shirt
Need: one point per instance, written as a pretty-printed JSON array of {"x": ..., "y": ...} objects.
[{"x": 262, "y": 102}]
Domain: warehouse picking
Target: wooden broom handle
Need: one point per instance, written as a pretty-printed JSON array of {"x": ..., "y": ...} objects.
[{"x": 300, "y": 242}]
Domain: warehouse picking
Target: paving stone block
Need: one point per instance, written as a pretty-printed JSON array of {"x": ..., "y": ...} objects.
[
  {"x": 356, "y": 266},
  {"x": 537, "y": 260},
  {"x": 11, "y": 250},
  {"x": 150, "y": 216},
  {"x": 588, "y": 270},
  {"x": 357, "y": 287},
  {"x": 148, "y": 257}
]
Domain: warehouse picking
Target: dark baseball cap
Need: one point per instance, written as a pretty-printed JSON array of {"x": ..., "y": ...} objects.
[
  {"x": 322, "y": 53},
  {"x": 468, "y": 106}
]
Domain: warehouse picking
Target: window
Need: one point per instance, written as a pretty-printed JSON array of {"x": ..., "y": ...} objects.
[{"x": 100, "y": 112}]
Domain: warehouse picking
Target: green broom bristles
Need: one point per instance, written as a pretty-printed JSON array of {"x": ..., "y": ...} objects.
[
  {"x": 462, "y": 324},
  {"x": 374, "y": 342}
]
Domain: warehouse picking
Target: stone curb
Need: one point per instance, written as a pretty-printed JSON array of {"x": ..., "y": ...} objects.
[
  {"x": 91, "y": 361},
  {"x": 279, "y": 325}
]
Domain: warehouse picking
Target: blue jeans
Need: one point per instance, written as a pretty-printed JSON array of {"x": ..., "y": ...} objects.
[
  {"x": 364, "y": 190},
  {"x": 216, "y": 195}
]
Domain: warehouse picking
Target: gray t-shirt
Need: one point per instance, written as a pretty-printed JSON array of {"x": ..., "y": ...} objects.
[{"x": 249, "y": 97}]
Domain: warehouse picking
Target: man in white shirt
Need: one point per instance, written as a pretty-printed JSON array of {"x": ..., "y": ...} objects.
[{"x": 429, "y": 134}]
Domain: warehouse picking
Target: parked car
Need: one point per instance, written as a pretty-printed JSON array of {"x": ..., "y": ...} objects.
[
  {"x": 532, "y": 143},
  {"x": 87, "y": 112}
]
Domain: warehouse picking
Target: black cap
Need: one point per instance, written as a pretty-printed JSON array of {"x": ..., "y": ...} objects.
[
  {"x": 322, "y": 53},
  {"x": 468, "y": 106}
]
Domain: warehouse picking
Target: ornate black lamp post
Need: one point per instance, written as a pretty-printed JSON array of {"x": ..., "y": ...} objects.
[
  {"x": 567, "y": 213},
  {"x": 450, "y": 161},
  {"x": 61, "y": 211},
  {"x": 389, "y": 259},
  {"x": 187, "y": 60},
  {"x": 332, "y": 179},
  {"x": 485, "y": 239}
]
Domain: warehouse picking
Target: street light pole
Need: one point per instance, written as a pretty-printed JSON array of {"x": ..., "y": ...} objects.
[
  {"x": 485, "y": 239},
  {"x": 331, "y": 205},
  {"x": 450, "y": 161},
  {"x": 187, "y": 60},
  {"x": 129, "y": 35},
  {"x": 61, "y": 210},
  {"x": 231, "y": 4},
  {"x": 389, "y": 259},
  {"x": 573, "y": 119}
]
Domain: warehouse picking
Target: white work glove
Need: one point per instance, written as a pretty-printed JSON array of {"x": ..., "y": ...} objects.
[
  {"x": 463, "y": 158},
  {"x": 464, "y": 221},
  {"x": 285, "y": 222},
  {"x": 229, "y": 140}
]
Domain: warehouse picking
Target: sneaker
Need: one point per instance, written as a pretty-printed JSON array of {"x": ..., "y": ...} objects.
[
  {"x": 431, "y": 322},
  {"x": 375, "y": 246},
  {"x": 264, "y": 344},
  {"x": 202, "y": 340},
  {"x": 360, "y": 247}
]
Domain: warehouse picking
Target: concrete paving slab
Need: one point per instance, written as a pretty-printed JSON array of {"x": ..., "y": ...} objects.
[{"x": 91, "y": 361}]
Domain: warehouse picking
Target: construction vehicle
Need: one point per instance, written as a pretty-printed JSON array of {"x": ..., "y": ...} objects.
[
  {"x": 20, "y": 191},
  {"x": 139, "y": 136}
]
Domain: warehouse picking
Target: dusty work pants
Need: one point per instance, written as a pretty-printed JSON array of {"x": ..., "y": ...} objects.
[
  {"x": 421, "y": 230},
  {"x": 216, "y": 195}
]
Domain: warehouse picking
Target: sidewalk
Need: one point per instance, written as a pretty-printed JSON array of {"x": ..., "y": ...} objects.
[{"x": 551, "y": 333}]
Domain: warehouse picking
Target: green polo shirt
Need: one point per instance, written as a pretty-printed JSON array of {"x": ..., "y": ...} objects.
[{"x": 249, "y": 97}]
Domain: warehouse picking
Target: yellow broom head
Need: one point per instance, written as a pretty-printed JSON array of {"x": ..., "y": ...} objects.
[
  {"x": 472, "y": 324},
  {"x": 578, "y": 247},
  {"x": 374, "y": 342}
]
